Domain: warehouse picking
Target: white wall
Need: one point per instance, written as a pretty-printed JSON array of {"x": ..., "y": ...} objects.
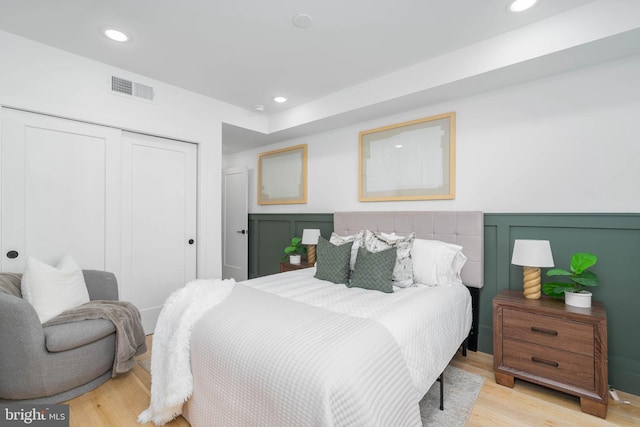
[
  {"x": 566, "y": 143},
  {"x": 39, "y": 78}
]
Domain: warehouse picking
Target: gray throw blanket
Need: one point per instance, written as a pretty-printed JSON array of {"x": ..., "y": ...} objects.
[
  {"x": 130, "y": 337},
  {"x": 10, "y": 284}
]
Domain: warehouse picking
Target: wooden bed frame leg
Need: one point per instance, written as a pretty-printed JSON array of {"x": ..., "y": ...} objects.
[
  {"x": 441, "y": 381},
  {"x": 465, "y": 345}
]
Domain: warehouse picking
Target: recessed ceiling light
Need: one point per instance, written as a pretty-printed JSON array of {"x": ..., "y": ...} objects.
[
  {"x": 116, "y": 35},
  {"x": 520, "y": 5},
  {"x": 280, "y": 99},
  {"x": 258, "y": 107}
]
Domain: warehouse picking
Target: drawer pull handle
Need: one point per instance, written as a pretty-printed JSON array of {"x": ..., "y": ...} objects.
[
  {"x": 544, "y": 362},
  {"x": 544, "y": 331}
]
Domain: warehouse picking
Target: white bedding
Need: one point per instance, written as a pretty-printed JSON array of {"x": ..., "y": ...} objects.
[{"x": 427, "y": 323}]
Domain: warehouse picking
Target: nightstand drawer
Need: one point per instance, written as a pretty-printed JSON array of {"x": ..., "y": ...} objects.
[
  {"x": 549, "y": 331},
  {"x": 557, "y": 365}
]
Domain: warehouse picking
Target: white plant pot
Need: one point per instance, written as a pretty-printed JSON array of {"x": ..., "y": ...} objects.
[
  {"x": 295, "y": 259},
  {"x": 578, "y": 299}
]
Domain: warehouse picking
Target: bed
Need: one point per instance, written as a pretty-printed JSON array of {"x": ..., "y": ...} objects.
[{"x": 290, "y": 349}]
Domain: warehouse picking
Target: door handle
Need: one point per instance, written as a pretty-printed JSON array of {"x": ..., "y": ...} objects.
[
  {"x": 242, "y": 231},
  {"x": 191, "y": 241},
  {"x": 12, "y": 254}
]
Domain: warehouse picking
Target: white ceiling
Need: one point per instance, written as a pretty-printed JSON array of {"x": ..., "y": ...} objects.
[{"x": 244, "y": 52}]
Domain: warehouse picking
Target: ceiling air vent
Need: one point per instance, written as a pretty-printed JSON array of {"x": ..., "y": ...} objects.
[{"x": 127, "y": 87}]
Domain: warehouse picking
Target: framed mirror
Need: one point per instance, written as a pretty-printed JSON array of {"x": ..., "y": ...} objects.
[
  {"x": 408, "y": 161},
  {"x": 282, "y": 176}
]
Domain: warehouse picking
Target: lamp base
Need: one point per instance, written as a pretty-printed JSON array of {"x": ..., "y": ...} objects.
[
  {"x": 531, "y": 279},
  {"x": 311, "y": 254}
]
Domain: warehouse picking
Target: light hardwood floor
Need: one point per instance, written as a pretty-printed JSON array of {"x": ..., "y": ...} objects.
[
  {"x": 531, "y": 405},
  {"x": 119, "y": 401}
]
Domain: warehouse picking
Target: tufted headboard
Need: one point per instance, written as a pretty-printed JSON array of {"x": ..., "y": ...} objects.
[{"x": 464, "y": 228}]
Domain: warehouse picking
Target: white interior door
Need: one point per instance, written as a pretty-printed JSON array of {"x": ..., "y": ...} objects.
[
  {"x": 159, "y": 232},
  {"x": 60, "y": 191},
  {"x": 235, "y": 228}
]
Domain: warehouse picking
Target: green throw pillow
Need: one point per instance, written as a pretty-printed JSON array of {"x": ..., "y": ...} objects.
[
  {"x": 374, "y": 270},
  {"x": 333, "y": 261}
]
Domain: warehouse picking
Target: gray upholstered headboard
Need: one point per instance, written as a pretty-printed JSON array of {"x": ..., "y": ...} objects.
[{"x": 464, "y": 228}]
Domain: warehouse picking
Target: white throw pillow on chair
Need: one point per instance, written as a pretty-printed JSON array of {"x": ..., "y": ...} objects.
[{"x": 52, "y": 290}]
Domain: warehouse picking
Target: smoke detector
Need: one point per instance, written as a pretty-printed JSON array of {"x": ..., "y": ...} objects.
[{"x": 302, "y": 20}]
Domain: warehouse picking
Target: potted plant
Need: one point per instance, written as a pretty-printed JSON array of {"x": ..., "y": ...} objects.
[
  {"x": 580, "y": 276},
  {"x": 294, "y": 251}
]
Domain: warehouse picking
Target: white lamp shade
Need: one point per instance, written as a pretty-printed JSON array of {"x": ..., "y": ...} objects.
[
  {"x": 532, "y": 253},
  {"x": 310, "y": 236}
]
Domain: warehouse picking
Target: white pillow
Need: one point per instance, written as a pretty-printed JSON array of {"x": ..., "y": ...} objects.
[
  {"x": 52, "y": 290},
  {"x": 437, "y": 263},
  {"x": 357, "y": 240},
  {"x": 459, "y": 260}
]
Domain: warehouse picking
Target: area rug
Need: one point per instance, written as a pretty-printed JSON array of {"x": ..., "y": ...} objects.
[{"x": 461, "y": 390}]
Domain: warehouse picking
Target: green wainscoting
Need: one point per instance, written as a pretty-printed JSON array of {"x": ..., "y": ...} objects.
[
  {"x": 615, "y": 238},
  {"x": 269, "y": 234}
]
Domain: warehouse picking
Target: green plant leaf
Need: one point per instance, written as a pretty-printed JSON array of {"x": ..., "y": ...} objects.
[
  {"x": 578, "y": 275},
  {"x": 558, "y": 272},
  {"x": 296, "y": 241},
  {"x": 556, "y": 289},
  {"x": 581, "y": 261},
  {"x": 587, "y": 278}
]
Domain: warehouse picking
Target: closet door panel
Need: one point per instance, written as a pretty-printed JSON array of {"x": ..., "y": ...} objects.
[
  {"x": 160, "y": 220},
  {"x": 58, "y": 194}
]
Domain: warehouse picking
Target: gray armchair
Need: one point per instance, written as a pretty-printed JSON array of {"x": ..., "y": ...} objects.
[{"x": 52, "y": 364}]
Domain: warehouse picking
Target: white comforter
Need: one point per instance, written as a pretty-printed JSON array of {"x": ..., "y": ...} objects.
[
  {"x": 429, "y": 323},
  {"x": 341, "y": 356}
]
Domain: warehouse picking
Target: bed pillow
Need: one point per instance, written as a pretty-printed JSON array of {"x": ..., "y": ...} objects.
[
  {"x": 437, "y": 263},
  {"x": 357, "y": 240},
  {"x": 333, "y": 261},
  {"x": 52, "y": 290},
  {"x": 403, "y": 269},
  {"x": 374, "y": 270}
]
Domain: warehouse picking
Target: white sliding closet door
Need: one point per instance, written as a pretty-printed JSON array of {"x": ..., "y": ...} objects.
[
  {"x": 159, "y": 220},
  {"x": 60, "y": 191}
]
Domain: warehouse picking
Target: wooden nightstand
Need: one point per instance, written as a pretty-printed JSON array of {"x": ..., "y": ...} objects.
[
  {"x": 287, "y": 266},
  {"x": 552, "y": 344}
]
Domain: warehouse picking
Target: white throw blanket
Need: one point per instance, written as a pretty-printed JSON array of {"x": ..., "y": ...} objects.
[{"x": 171, "y": 379}]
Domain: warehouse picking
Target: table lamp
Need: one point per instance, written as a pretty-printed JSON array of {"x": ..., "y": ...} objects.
[
  {"x": 532, "y": 254},
  {"x": 310, "y": 238}
]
